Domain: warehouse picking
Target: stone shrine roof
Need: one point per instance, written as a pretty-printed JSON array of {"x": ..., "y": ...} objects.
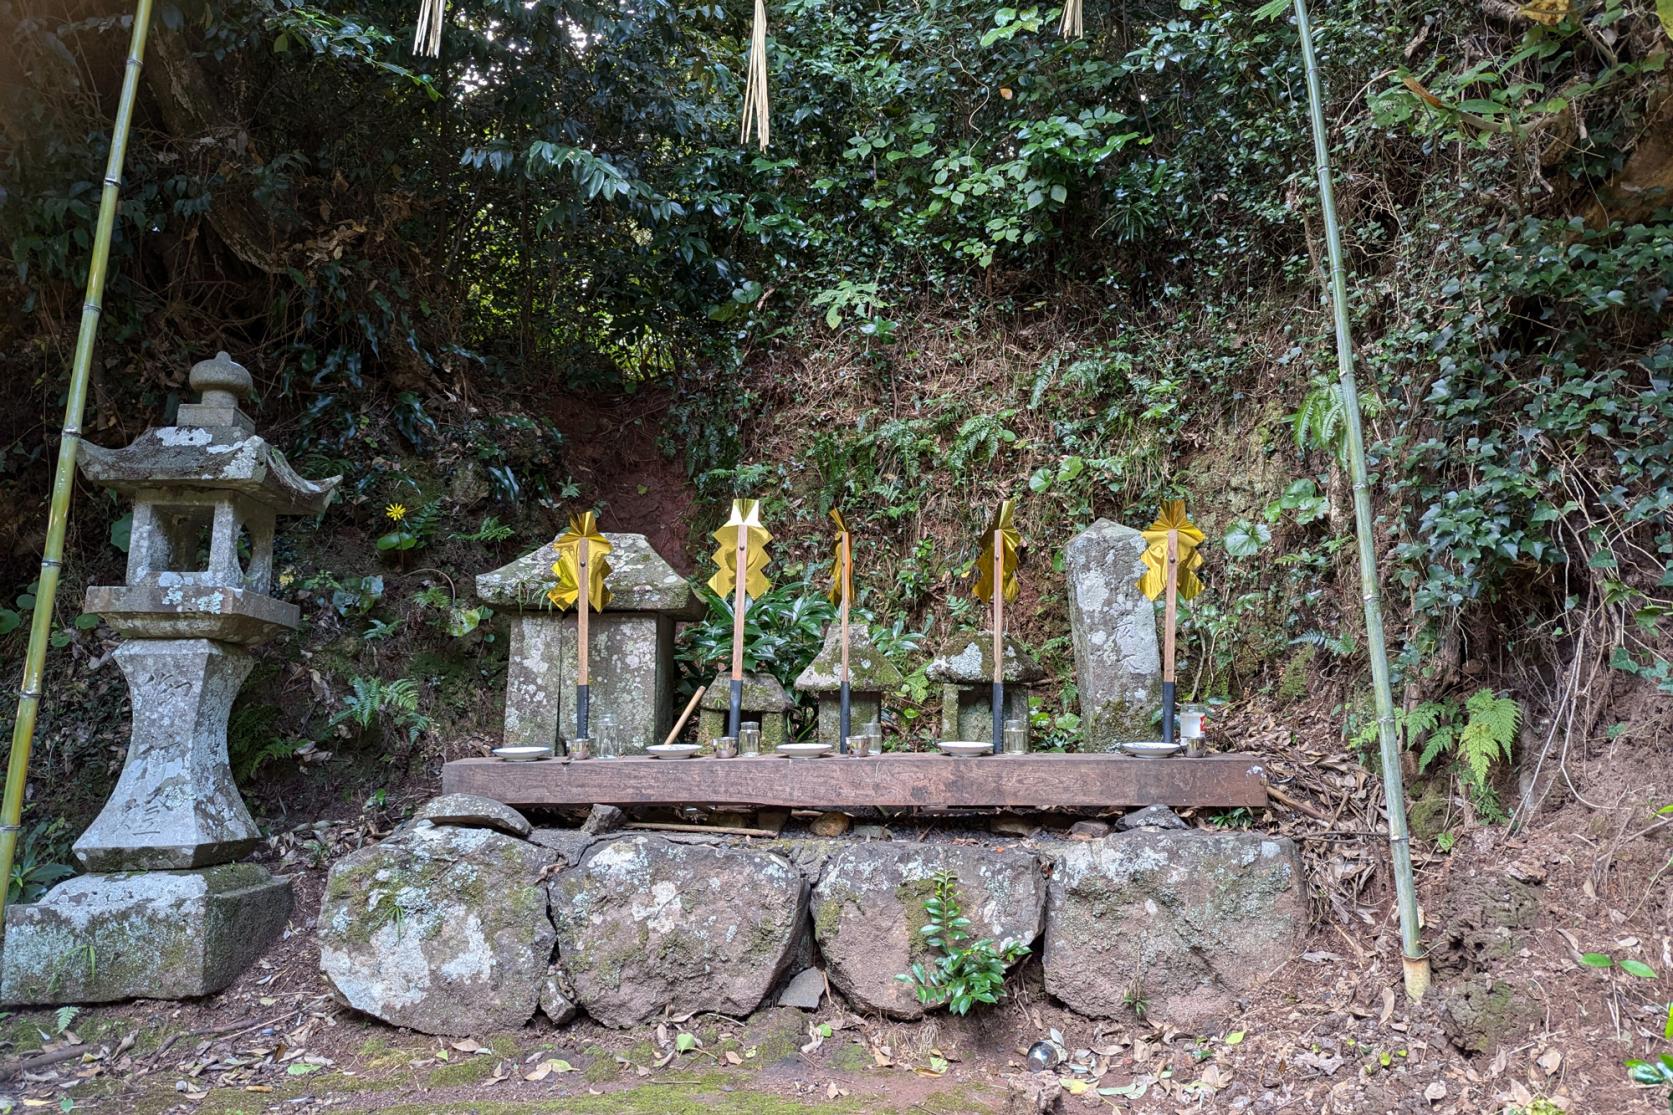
[
  {"x": 639, "y": 581},
  {"x": 967, "y": 659},
  {"x": 868, "y": 670}
]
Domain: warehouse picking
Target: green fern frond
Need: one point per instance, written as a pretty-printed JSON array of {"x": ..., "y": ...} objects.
[
  {"x": 1488, "y": 733},
  {"x": 1436, "y": 746}
]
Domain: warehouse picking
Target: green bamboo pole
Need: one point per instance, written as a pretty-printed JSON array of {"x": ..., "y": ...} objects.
[
  {"x": 63, "y": 480},
  {"x": 1415, "y": 958}
]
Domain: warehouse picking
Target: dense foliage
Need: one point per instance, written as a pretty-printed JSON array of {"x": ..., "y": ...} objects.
[{"x": 977, "y": 259}]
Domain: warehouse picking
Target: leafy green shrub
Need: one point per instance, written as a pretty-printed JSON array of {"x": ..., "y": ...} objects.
[
  {"x": 967, "y": 972},
  {"x": 783, "y": 630},
  {"x": 1475, "y": 736},
  {"x": 38, "y": 866}
]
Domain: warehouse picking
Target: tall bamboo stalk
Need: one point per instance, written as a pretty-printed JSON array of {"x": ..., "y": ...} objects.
[
  {"x": 63, "y": 480},
  {"x": 1415, "y": 958}
]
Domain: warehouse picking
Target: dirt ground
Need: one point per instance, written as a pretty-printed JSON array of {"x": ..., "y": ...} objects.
[{"x": 1515, "y": 1022}]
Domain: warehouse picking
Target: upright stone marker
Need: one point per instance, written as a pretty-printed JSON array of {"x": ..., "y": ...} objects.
[
  {"x": 1118, "y": 665},
  {"x": 631, "y": 654},
  {"x": 165, "y": 913}
]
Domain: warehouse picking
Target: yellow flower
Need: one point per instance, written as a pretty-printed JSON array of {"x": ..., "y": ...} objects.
[{"x": 395, "y": 512}]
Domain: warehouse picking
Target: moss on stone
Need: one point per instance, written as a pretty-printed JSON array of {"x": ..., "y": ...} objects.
[{"x": 466, "y": 1070}]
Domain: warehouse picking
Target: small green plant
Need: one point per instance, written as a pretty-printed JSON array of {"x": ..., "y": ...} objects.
[
  {"x": 1475, "y": 735},
  {"x": 410, "y": 529},
  {"x": 393, "y": 704},
  {"x": 1656, "y": 1074},
  {"x": 37, "y": 867},
  {"x": 1134, "y": 998},
  {"x": 63, "y": 1018},
  {"x": 491, "y": 530},
  {"x": 968, "y": 971}
]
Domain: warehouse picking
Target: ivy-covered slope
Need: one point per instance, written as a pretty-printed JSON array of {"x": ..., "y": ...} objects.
[{"x": 977, "y": 260}]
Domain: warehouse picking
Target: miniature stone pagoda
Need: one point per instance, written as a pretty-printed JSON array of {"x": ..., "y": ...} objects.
[
  {"x": 1118, "y": 666},
  {"x": 631, "y": 653},
  {"x": 165, "y": 912},
  {"x": 870, "y": 676},
  {"x": 764, "y": 700},
  {"x": 965, "y": 670}
]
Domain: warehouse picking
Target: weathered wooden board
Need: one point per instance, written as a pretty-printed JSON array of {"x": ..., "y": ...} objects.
[{"x": 897, "y": 781}]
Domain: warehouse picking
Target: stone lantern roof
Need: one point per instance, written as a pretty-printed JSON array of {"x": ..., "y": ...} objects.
[
  {"x": 967, "y": 659},
  {"x": 213, "y": 448},
  {"x": 206, "y": 493},
  {"x": 640, "y": 581},
  {"x": 868, "y": 670}
]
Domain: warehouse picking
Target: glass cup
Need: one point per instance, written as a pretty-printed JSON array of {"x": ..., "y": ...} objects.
[
  {"x": 580, "y": 748},
  {"x": 749, "y": 740},
  {"x": 607, "y": 742},
  {"x": 726, "y": 747}
]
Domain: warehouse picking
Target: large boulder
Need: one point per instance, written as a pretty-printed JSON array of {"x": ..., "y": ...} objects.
[
  {"x": 869, "y": 905},
  {"x": 439, "y": 928},
  {"x": 1182, "y": 921},
  {"x": 647, "y": 925},
  {"x": 1118, "y": 666}
]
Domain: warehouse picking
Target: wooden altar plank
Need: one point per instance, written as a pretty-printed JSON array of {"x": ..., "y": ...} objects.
[{"x": 896, "y": 781}]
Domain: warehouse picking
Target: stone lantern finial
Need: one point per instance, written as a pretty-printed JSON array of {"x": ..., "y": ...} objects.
[{"x": 224, "y": 383}]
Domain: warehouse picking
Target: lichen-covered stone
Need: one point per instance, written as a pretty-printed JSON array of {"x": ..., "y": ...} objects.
[
  {"x": 632, "y": 673},
  {"x": 646, "y": 925},
  {"x": 967, "y": 659},
  {"x": 639, "y": 581},
  {"x": 870, "y": 676},
  {"x": 868, "y": 907},
  {"x": 868, "y": 670},
  {"x": 1185, "y": 921},
  {"x": 764, "y": 700},
  {"x": 175, "y": 805},
  {"x": 1118, "y": 666},
  {"x": 557, "y": 998},
  {"x": 153, "y": 935},
  {"x": 440, "y": 929},
  {"x": 472, "y": 811}
]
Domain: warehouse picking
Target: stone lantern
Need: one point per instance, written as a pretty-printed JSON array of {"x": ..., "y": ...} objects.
[
  {"x": 165, "y": 911},
  {"x": 870, "y": 676},
  {"x": 965, "y": 670},
  {"x": 631, "y": 657}
]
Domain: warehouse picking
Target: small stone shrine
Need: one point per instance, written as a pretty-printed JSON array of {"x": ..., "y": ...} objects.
[
  {"x": 165, "y": 912},
  {"x": 870, "y": 676},
  {"x": 1118, "y": 666},
  {"x": 965, "y": 670},
  {"x": 632, "y": 647},
  {"x": 764, "y": 701}
]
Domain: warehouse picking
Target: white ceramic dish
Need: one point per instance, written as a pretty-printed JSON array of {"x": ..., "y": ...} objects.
[
  {"x": 522, "y": 754},
  {"x": 672, "y": 750},
  {"x": 803, "y": 750},
  {"x": 1151, "y": 749},
  {"x": 965, "y": 747}
]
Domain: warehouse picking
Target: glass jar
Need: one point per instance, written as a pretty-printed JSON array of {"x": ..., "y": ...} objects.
[
  {"x": 607, "y": 738},
  {"x": 1016, "y": 737},
  {"x": 749, "y": 739}
]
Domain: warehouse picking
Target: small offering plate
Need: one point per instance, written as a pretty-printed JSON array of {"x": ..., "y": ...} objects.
[
  {"x": 673, "y": 750},
  {"x": 965, "y": 747},
  {"x": 803, "y": 750},
  {"x": 1151, "y": 749},
  {"x": 522, "y": 754}
]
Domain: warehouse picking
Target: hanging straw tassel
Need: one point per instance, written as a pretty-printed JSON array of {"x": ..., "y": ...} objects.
[
  {"x": 755, "y": 86},
  {"x": 1071, "y": 27},
  {"x": 426, "y": 38}
]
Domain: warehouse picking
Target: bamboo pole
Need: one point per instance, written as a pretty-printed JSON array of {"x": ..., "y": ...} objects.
[
  {"x": 1415, "y": 958},
  {"x": 64, "y": 477},
  {"x": 998, "y": 642},
  {"x": 63, "y": 480}
]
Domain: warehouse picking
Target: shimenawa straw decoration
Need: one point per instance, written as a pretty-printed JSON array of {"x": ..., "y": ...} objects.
[
  {"x": 755, "y": 84},
  {"x": 426, "y": 37},
  {"x": 1071, "y": 27}
]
